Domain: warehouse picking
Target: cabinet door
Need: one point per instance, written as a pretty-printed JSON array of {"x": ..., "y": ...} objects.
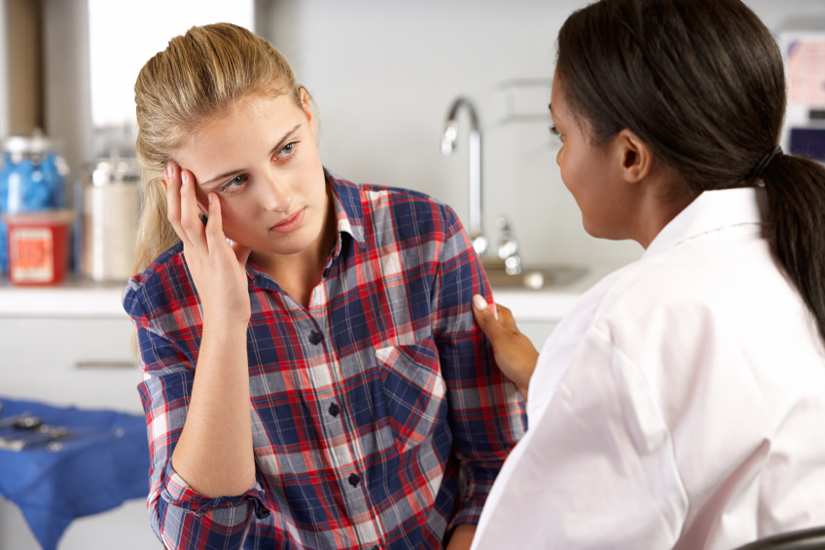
[
  {"x": 88, "y": 363},
  {"x": 85, "y": 362},
  {"x": 124, "y": 528},
  {"x": 537, "y": 331}
]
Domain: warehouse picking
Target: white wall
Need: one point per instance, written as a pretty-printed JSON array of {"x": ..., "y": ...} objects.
[{"x": 384, "y": 73}]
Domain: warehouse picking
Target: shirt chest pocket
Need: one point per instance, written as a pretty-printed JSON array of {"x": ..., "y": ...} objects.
[{"x": 414, "y": 391}]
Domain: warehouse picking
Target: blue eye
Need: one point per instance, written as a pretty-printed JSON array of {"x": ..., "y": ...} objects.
[
  {"x": 235, "y": 182},
  {"x": 287, "y": 151}
]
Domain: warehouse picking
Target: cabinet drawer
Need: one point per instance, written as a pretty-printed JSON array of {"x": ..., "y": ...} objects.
[{"x": 85, "y": 362}]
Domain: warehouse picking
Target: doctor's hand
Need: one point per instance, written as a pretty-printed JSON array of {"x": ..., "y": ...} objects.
[
  {"x": 515, "y": 354},
  {"x": 218, "y": 269}
]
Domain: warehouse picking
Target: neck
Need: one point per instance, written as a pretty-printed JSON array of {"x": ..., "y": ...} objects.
[
  {"x": 664, "y": 200},
  {"x": 298, "y": 274}
]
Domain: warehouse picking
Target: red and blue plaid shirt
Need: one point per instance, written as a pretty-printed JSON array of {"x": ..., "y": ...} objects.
[{"x": 367, "y": 407}]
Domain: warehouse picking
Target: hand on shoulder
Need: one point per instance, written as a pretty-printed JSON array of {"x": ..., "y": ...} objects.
[{"x": 514, "y": 352}]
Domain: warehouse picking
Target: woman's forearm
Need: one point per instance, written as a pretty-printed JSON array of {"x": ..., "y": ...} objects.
[{"x": 214, "y": 454}]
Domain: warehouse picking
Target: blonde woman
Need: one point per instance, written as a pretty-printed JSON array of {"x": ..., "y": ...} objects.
[{"x": 313, "y": 375}]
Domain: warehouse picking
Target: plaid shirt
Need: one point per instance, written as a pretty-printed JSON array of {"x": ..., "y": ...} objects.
[{"x": 364, "y": 407}]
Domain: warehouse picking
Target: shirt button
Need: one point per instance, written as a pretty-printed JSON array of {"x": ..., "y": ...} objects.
[
  {"x": 334, "y": 409},
  {"x": 354, "y": 480},
  {"x": 315, "y": 338}
]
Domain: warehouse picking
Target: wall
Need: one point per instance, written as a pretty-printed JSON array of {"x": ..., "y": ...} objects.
[
  {"x": 66, "y": 75},
  {"x": 384, "y": 73}
]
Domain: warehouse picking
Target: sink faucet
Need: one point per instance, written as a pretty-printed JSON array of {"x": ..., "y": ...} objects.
[{"x": 448, "y": 140}]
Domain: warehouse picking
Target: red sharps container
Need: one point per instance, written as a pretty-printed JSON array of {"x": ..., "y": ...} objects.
[{"x": 38, "y": 243}]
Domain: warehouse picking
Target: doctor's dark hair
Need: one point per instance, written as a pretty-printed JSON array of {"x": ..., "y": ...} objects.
[
  {"x": 702, "y": 83},
  {"x": 200, "y": 75}
]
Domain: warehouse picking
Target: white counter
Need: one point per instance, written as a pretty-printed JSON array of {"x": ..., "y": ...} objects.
[
  {"x": 74, "y": 297},
  {"x": 77, "y": 297}
]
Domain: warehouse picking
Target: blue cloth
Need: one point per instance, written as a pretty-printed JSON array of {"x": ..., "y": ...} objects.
[{"x": 104, "y": 464}]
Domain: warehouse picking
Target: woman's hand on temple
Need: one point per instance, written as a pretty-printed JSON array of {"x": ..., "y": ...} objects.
[
  {"x": 515, "y": 354},
  {"x": 218, "y": 268}
]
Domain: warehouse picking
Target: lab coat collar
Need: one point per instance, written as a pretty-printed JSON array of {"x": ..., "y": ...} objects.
[{"x": 710, "y": 211}]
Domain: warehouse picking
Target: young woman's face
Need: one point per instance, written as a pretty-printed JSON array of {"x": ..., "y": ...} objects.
[
  {"x": 261, "y": 160},
  {"x": 590, "y": 172}
]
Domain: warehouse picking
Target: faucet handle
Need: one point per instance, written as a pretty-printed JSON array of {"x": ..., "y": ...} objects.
[
  {"x": 507, "y": 246},
  {"x": 480, "y": 244}
]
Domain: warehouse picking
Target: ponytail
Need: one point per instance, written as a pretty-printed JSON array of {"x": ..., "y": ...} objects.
[{"x": 796, "y": 226}]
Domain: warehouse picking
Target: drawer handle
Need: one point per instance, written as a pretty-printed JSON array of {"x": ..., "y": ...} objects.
[{"x": 105, "y": 364}]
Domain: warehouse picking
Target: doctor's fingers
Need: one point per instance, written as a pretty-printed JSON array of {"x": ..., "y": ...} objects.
[
  {"x": 486, "y": 319},
  {"x": 505, "y": 317}
]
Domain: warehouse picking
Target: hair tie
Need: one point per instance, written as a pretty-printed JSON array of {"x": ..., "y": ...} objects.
[{"x": 763, "y": 163}]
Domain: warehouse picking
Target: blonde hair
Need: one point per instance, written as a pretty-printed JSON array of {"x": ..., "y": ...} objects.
[{"x": 198, "y": 76}]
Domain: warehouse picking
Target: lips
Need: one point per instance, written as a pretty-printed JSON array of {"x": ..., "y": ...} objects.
[{"x": 291, "y": 223}]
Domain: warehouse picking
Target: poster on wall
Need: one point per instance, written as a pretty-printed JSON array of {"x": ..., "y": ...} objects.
[
  {"x": 805, "y": 57},
  {"x": 804, "y": 131}
]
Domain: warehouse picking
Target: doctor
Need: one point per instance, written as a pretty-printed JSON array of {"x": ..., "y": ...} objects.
[{"x": 680, "y": 403}]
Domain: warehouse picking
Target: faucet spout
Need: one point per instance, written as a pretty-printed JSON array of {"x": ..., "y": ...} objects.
[{"x": 448, "y": 141}]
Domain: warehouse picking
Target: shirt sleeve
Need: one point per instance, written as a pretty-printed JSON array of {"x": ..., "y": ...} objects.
[
  {"x": 598, "y": 463},
  {"x": 486, "y": 412},
  {"x": 180, "y": 517}
]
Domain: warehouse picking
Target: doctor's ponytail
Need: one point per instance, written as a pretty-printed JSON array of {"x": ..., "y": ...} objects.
[{"x": 795, "y": 188}]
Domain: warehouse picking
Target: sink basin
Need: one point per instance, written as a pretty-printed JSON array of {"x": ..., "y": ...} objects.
[{"x": 533, "y": 278}]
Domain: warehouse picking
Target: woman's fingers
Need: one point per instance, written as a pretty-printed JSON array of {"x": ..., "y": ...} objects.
[
  {"x": 171, "y": 178},
  {"x": 486, "y": 319},
  {"x": 215, "y": 237},
  {"x": 189, "y": 210},
  {"x": 515, "y": 354}
]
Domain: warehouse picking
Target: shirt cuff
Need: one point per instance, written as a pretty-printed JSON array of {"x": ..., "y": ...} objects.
[
  {"x": 479, "y": 485},
  {"x": 177, "y": 493}
]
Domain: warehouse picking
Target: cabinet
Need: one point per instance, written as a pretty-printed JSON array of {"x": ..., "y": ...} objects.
[{"x": 72, "y": 346}]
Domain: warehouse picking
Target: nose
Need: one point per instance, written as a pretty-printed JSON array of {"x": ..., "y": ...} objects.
[{"x": 277, "y": 195}]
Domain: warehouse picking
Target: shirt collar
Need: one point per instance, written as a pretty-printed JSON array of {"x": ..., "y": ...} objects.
[
  {"x": 710, "y": 211},
  {"x": 349, "y": 213}
]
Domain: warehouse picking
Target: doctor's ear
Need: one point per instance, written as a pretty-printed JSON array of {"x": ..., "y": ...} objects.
[{"x": 635, "y": 156}]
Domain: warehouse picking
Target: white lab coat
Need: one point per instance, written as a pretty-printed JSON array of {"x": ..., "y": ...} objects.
[{"x": 680, "y": 404}]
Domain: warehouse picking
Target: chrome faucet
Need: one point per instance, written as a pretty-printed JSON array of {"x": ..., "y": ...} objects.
[{"x": 448, "y": 140}]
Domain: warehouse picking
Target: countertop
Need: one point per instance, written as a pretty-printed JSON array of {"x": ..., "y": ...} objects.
[{"x": 79, "y": 297}]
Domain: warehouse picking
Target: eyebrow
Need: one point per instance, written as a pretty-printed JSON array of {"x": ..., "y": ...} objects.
[{"x": 239, "y": 170}]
